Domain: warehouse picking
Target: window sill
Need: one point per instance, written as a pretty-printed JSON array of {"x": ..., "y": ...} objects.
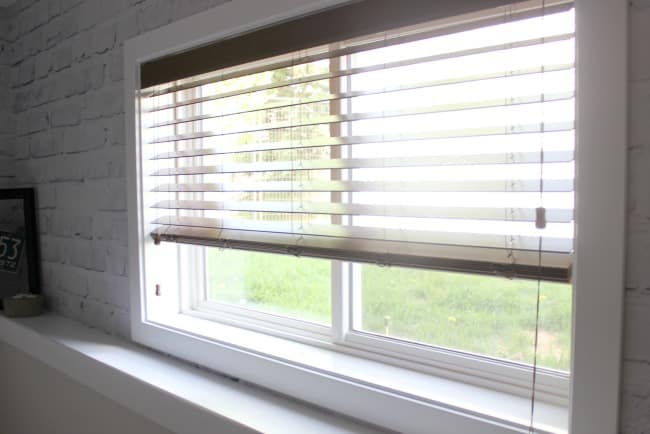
[
  {"x": 453, "y": 401},
  {"x": 175, "y": 395},
  {"x": 183, "y": 398}
]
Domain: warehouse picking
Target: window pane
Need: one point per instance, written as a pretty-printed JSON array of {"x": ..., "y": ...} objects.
[
  {"x": 278, "y": 284},
  {"x": 491, "y": 316}
]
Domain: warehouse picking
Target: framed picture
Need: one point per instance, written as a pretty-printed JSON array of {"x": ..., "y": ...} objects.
[{"x": 19, "y": 258}]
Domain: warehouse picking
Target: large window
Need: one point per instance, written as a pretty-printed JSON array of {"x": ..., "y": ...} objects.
[{"x": 393, "y": 198}]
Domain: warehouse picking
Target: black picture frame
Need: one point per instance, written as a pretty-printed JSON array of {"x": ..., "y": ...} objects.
[{"x": 29, "y": 269}]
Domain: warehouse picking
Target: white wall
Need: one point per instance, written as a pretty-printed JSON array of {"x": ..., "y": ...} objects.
[
  {"x": 6, "y": 123},
  {"x": 35, "y": 398},
  {"x": 65, "y": 63},
  {"x": 636, "y": 369}
]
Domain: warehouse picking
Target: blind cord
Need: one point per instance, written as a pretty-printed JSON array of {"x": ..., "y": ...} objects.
[
  {"x": 540, "y": 223},
  {"x": 531, "y": 428}
]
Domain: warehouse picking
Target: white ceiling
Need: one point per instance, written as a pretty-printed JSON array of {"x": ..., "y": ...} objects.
[{"x": 5, "y": 3}]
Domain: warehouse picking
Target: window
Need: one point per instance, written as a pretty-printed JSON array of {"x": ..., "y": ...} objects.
[{"x": 392, "y": 193}]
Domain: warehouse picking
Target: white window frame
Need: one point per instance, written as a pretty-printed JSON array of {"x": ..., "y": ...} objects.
[{"x": 598, "y": 288}]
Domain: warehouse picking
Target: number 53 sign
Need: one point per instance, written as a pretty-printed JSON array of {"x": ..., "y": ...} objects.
[
  {"x": 11, "y": 250},
  {"x": 19, "y": 258}
]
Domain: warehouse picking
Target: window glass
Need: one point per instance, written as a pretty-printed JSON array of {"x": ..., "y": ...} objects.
[
  {"x": 491, "y": 316},
  {"x": 284, "y": 285}
]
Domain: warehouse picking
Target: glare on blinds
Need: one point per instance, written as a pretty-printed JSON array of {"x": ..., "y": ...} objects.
[{"x": 431, "y": 146}]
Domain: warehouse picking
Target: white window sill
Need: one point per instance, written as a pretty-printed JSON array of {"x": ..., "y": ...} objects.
[
  {"x": 175, "y": 395},
  {"x": 438, "y": 397},
  {"x": 182, "y": 398}
]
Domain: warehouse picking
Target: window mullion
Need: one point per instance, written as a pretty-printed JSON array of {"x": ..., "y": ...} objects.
[{"x": 338, "y": 284}]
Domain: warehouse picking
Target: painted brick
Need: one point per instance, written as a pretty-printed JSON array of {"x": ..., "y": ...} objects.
[
  {"x": 52, "y": 33},
  {"x": 110, "y": 10},
  {"x": 69, "y": 4},
  {"x": 190, "y": 7},
  {"x": 54, "y": 8},
  {"x": 33, "y": 121},
  {"x": 71, "y": 82},
  {"x": 86, "y": 14},
  {"x": 62, "y": 56},
  {"x": 45, "y": 196},
  {"x": 109, "y": 288},
  {"x": 41, "y": 13},
  {"x": 117, "y": 260},
  {"x": 71, "y": 139},
  {"x": 103, "y": 38},
  {"x": 155, "y": 14},
  {"x": 635, "y": 414},
  {"x": 93, "y": 74},
  {"x": 113, "y": 195},
  {"x": 81, "y": 46},
  {"x": 637, "y": 317},
  {"x": 78, "y": 252},
  {"x": 44, "y": 91},
  {"x": 116, "y": 130},
  {"x": 122, "y": 323},
  {"x": 70, "y": 305},
  {"x": 72, "y": 279},
  {"x": 42, "y": 65},
  {"x": 116, "y": 64},
  {"x": 111, "y": 99},
  {"x": 639, "y": 33},
  {"x": 127, "y": 27},
  {"x": 98, "y": 255},
  {"x": 51, "y": 249},
  {"x": 68, "y": 222},
  {"x": 47, "y": 143},
  {"x": 638, "y": 107},
  {"x": 66, "y": 112},
  {"x": 637, "y": 378},
  {"x": 71, "y": 196},
  {"x": 638, "y": 204},
  {"x": 110, "y": 226},
  {"x": 105, "y": 163},
  {"x": 92, "y": 135},
  {"x": 44, "y": 222},
  {"x": 25, "y": 72}
]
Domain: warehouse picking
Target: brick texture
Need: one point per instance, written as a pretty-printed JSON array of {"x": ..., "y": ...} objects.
[
  {"x": 61, "y": 131},
  {"x": 635, "y": 399}
]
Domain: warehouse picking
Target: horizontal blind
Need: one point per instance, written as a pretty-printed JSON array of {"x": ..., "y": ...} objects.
[{"x": 440, "y": 145}]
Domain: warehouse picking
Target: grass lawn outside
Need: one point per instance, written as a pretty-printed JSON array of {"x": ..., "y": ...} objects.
[{"x": 486, "y": 315}]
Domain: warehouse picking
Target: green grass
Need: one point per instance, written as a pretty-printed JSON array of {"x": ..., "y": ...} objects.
[{"x": 485, "y": 315}]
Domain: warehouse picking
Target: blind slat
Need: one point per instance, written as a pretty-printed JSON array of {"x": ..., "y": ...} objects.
[
  {"x": 461, "y": 105},
  {"x": 521, "y": 264},
  {"x": 550, "y": 185},
  {"x": 335, "y": 234},
  {"x": 353, "y": 94},
  {"x": 499, "y": 130},
  {"x": 553, "y": 215},
  {"x": 385, "y": 114},
  {"x": 360, "y": 163}
]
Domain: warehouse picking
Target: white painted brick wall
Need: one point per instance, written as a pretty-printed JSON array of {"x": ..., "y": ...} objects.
[
  {"x": 62, "y": 131},
  {"x": 61, "y": 65},
  {"x": 7, "y": 125},
  {"x": 635, "y": 400}
]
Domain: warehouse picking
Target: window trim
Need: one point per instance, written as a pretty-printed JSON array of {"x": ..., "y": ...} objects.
[
  {"x": 485, "y": 371},
  {"x": 598, "y": 290}
]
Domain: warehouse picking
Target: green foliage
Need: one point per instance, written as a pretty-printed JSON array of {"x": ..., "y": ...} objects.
[
  {"x": 485, "y": 315},
  {"x": 297, "y": 287}
]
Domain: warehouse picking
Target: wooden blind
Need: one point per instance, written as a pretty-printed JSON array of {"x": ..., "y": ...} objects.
[{"x": 444, "y": 144}]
